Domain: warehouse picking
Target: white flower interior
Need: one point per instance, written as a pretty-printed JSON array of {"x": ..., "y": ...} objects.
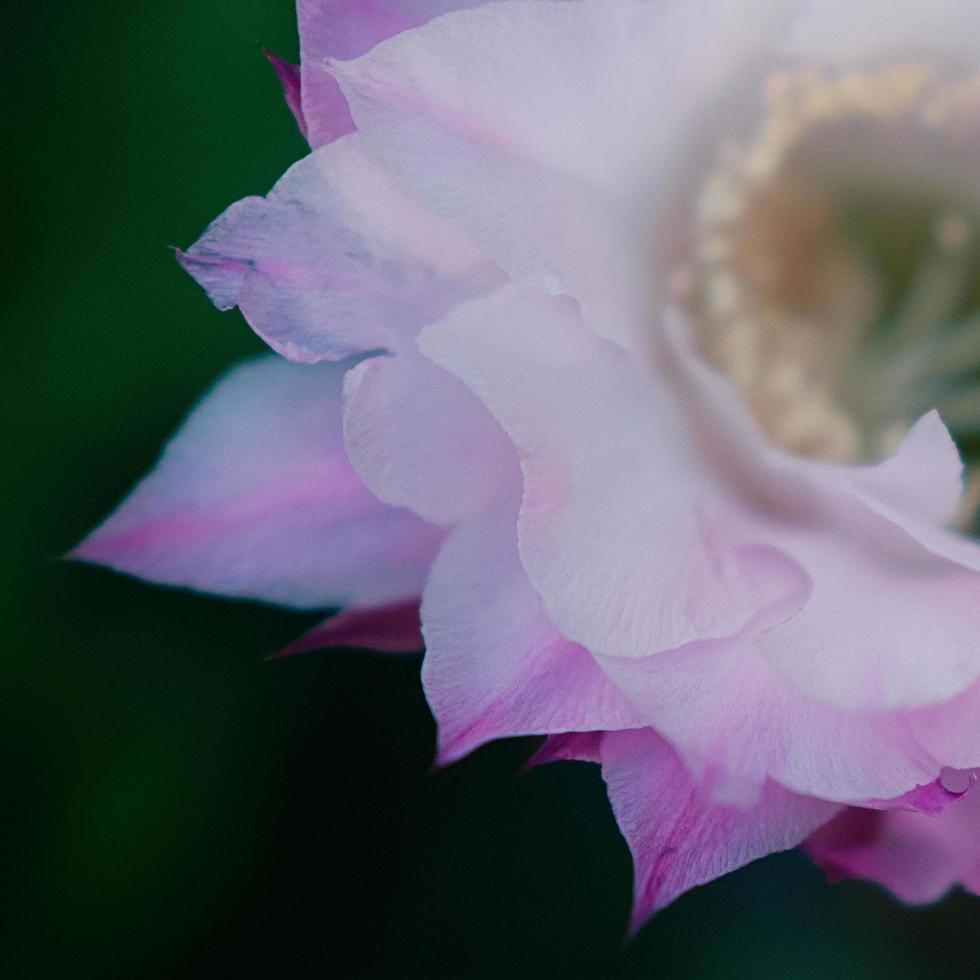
[{"x": 834, "y": 253}]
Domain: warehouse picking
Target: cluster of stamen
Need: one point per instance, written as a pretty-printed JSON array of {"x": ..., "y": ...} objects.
[{"x": 790, "y": 308}]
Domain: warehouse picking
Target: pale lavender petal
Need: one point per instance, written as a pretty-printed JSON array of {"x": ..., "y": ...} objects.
[
  {"x": 255, "y": 497},
  {"x": 388, "y": 629},
  {"x": 677, "y": 836},
  {"x": 420, "y": 439},
  {"x": 494, "y": 665},
  {"x": 337, "y": 260}
]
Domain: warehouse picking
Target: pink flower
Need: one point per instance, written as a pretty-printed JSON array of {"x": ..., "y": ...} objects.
[{"x": 603, "y": 348}]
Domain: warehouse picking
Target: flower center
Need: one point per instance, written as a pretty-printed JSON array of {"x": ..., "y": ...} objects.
[{"x": 832, "y": 270}]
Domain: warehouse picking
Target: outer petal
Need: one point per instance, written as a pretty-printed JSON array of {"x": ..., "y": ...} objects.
[
  {"x": 918, "y": 856},
  {"x": 388, "y": 629},
  {"x": 569, "y": 747},
  {"x": 680, "y": 839},
  {"x": 494, "y": 665},
  {"x": 254, "y": 497},
  {"x": 346, "y": 29},
  {"x": 337, "y": 260},
  {"x": 290, "y": 79}
]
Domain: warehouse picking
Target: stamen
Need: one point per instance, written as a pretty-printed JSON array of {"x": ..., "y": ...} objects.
[{"x": 785, "y": 303}]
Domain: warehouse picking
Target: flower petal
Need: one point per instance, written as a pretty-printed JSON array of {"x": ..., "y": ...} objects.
[
  {"x": 918, "y": 856},
  {"x": 550, "y": 130},
  {"x": 337, "y": 260},
  {"x": 290, "y": 78},
  {"x": 388, "y": 629},
  {"x": 568, "y": 747},
  {"x": 346, "y": 29},
  {"x": 680, "y": 839},
  {"x": 255, "y": 497},
  {"x": 619, "y": 519},
  {"x": 842, "y": 33},
  {"x": 752, "y": 725},
  {"x": 494, "y": 665},
  {"x": 421, "y": 439}
]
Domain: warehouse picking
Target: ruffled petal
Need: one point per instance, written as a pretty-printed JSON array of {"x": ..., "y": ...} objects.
[
  {"x": 895, "y": 597},
  {"x": 918, "y": 856},
  {"x": 337, "y": 260},
  {"x": 494, "y": 665},
  {"x": 751, "y": 726},
  {"x": 255, "y": 497},
  {"x": 624, "y": 527},
  {"x": 678, "y": 837}
]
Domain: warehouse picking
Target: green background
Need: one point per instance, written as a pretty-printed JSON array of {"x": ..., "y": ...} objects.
[{"x": 176, "y": 806}]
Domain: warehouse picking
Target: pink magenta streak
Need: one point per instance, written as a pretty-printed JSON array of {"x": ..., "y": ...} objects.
[{"x": 168, "y": 529}]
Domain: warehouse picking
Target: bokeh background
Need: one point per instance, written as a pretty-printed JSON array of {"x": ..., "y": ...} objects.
[{"x": 177, "y": 806}]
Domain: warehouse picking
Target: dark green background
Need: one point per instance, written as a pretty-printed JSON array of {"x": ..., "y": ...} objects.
[{"x": 176, "y": 807}]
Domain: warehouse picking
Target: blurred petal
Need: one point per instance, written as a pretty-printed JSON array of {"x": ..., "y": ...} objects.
[
  {"x": 918, "y": 856},
  {"x": 255, "y": 497}
]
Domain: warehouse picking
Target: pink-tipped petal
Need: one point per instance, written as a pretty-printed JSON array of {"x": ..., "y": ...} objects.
[
  {"x": 289, "y": 77},
  {"x": 568, "y": 747},
  {"x": 255, "y": 497},
  {"x": 752, "y": 726},
  {"x": 387, "y": 629},
  {"x": 494, "y": 665},
  {"x": 346, "y": 29},
  {"x": 677, "y": 836},
  {"x": 336, "y": 260},
  {"x": 918, "y": 856}
]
